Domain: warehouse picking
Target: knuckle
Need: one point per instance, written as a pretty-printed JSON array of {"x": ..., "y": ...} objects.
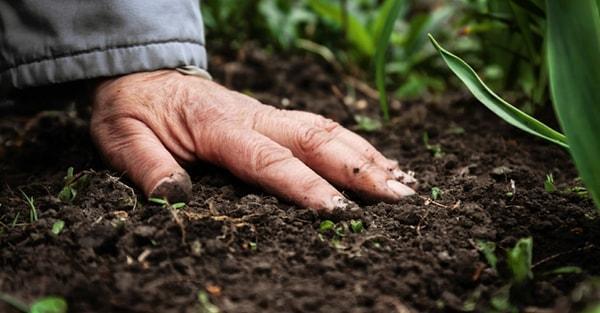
[
  {"x": 266, "y": 156},
  {"x": 310, "y": 139}
]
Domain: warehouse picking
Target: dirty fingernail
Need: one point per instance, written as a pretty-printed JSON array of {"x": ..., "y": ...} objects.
[
  {"x": 339, "y": 202},
  {"x": 399, "y": 188},
  {"x": 404, "y": 177},
  {"x": 175, "y": 188}
]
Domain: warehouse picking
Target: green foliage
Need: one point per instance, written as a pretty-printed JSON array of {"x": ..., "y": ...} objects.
[
  {"x": 435, "y": 149},
  {"x": 549, "y": 183},
  {"x": 356, "y": 226},
  {"x": 326, "y": 225},
  {"x": 488, "y": 249},
  {"x": 33, "y": 213},
  {"x": 72, "y": 183},
  {"x": 42, "y": 305},
  {"x": 165, "y": 204},
  {"x": 205, "y": 305},
  {"x": 503, "y": 109},
  {"x": 389, "y": 13},
  {"x": 49, "y": 305},
  {"x": 436, "y": 193},
  {"x": 572, "y": 39},
  {"x": 519, "y": 261},
  {"x": 574, "y": 66},
  {"x": 58, "y": 227}
]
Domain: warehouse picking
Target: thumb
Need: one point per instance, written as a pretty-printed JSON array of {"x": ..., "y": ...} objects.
[{"x": 130, "y": 146}]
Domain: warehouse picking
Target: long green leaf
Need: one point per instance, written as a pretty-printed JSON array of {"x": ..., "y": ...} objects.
[
  {"x": 503, "y": 109},
  {"x": 382, "y": 45},
  {"x": 574, "y": 64},
  {"x": 356, "y": 32}
]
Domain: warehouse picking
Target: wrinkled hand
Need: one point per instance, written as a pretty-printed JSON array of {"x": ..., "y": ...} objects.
[{"x": 148, "y": 124}]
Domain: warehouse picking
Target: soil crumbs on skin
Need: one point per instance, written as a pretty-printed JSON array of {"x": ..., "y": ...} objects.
[{"x": 245, "y": 251}]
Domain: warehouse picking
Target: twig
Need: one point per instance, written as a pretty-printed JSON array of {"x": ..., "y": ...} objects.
[{"x": 554, "y": 256}]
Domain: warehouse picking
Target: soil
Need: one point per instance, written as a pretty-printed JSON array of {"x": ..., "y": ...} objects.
[{"x": 250, "y": 252}]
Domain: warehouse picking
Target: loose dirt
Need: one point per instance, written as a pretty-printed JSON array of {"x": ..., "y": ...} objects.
[{"x": 250, "y": 252}]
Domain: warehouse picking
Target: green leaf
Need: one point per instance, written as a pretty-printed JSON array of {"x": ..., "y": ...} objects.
[
  {"x": 382, "y": 45},
  {"x": 58, "y": 226},
  {"x": 519, "y": 260},
  {"x": 158, "y": 201},
  {"x": 178, "y": 205},
  {"x": 326, "y": 225},
  {"x": 565, "y": 270},
  {"x": 574, "y": 64},
  {"x": 356, "y": 32},
  {"x": 488, "y": 249},
  {"x": 503, "y": 109},
  {"x": 356, "y": 226},
  {"x": 49, "y": 305},
  {"x": 436, "y": 193}
]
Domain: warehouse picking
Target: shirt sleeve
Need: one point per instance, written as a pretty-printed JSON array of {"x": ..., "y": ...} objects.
[{"x": 48, "y": 42}]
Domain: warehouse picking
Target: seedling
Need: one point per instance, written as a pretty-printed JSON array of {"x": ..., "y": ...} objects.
[
  {"x": 57, "y": 227},
  {"x": 33, "y": 214},
  {"x": 328, "y": 225},
  {"x": 356, "y": 226},
  {"x": 549, "y": 183},
  {"x": 436, "y": 149},
  {"x": 72, "y": 184},
  {"x": 165, "y": 204},
  {"x": 205, "y": 305},
  {"x": 42, "y": 305},
  {"x": 488, "y": 249},
  {"x": 436, "y": 193},
  {"x": 367, "y": 124}
]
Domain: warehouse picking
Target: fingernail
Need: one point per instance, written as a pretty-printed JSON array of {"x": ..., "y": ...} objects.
[
  {"x": 404, "y": 177},
  {"x": 399, "y": 189},
  {"x": 176, "y": 188}
]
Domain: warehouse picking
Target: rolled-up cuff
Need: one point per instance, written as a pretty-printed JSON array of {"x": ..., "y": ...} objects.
[{"x": 105, "y": 62}]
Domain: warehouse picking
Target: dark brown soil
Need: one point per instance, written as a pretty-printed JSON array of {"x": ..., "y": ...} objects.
[{"x": 250, "y": 252}]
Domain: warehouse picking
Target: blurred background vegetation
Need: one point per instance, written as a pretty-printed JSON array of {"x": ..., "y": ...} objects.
[{"x": 502, "y": 39}]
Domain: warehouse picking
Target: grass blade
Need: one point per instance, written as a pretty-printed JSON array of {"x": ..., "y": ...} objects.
[
  {"x": 356, "y": 33},
  {"x": 574, "y": 64},
  {"x": 503, "y": 109},
  {"x": 382, "y": 45}
]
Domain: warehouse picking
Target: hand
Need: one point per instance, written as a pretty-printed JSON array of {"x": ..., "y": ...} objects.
[{"x": 149, "y": 124}]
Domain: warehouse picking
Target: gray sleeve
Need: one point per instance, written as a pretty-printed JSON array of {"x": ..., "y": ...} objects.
[{"x": 54, "y": 41}]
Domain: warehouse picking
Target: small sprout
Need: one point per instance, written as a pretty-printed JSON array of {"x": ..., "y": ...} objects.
[
  {"x": 436, "y": 193},
  {"x": 160, "y": 201},
  {"x": 15, "y": 220},
  {"x": 580, "y": 191},
  {"x": 57, "y": 227},
  {"x": 326, "y": 225},
  {"x": 549, "y": 183},
  {"x": 252, "y": 246},
  {"x": 565, "y": 270},
  {"x": 72, "y": 184},
  {"x": 519, "y": 260},
  {"x": 177, "y": 205},
  {"x": 436, "y": 150},
  {"x": 366, "y": 123},
  {"x": 33, "y": 214},
  {"x": 356, "y": 226},
  {"x": 205, "y": 305},
  {"x": 49, "y": 305},
  {"x": 456, "y": 130},
  {"x": 488, "y": 249}
]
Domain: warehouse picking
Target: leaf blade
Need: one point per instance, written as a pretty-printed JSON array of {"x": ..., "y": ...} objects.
[{"x": 503, "y": 109}]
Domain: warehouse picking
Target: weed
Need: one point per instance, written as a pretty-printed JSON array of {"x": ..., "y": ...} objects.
[
  {"x": 42, "y": 305},
  {"x": 436, "y": 193},
  {"x": 33, "y": 213},
  {"x": 549, "y": 183},
  {"x": 205, "y": 305},
  {"x": 72, "y": 183},
  {"x": 165, "y": 204},
  {"x": 436, "y": 149},
  {"x": 356, "y": 226},
  {"x": 57, "y": 227}
]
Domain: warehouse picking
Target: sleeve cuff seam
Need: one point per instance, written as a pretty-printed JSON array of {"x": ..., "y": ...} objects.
[{"x": 98, "y": 49}]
